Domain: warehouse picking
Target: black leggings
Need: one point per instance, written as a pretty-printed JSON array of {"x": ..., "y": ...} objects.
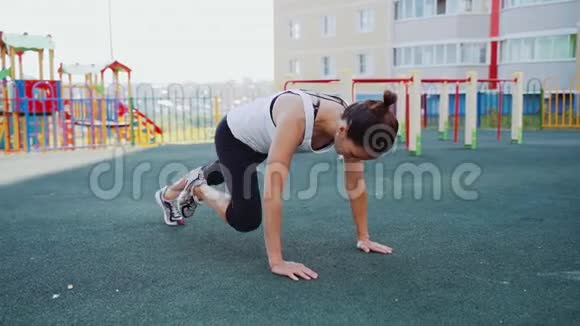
[{"x": 237, "y": 166}]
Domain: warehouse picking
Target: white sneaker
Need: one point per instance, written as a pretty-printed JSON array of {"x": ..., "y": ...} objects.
[
  {"x": 171, "y": 214},
  {"x": 186, "y": 201}
]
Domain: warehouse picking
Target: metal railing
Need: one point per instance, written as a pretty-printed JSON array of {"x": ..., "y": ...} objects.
[{"x": 48, "y": 118}]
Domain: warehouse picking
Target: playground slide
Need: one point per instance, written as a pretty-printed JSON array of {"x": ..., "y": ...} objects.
[
  {"x": 123, "y": 110},
  {"x": 136, "y": 113},
  {"x": 145, "y": 135}
]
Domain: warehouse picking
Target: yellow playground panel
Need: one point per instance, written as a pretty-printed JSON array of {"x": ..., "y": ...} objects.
[{"x": 560, "y": 107}]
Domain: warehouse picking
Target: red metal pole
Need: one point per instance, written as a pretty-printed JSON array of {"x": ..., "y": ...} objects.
[
  {"x": 424, "y": 111},
  {"x": 494, "y": 28},
  {"x": 456, "y": 120},
  {"x": 499, "y": 111},
  {"x": 407, "y": 114}
]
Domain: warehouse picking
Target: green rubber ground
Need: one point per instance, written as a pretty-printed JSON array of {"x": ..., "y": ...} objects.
[{"x": 510, "y": 257}]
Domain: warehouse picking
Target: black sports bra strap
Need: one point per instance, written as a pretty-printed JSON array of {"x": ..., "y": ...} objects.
[
  {"x": 328, "y": 97},
  {"x": 315, "y": 105}
]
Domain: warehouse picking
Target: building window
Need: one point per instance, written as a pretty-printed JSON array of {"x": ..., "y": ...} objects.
[
  {"x": 522, "y": 3},
  {"x": 366, "y": 20},
  {"x": 527, "y": 49},
  {"x": 328, "y": 69},
  {"x": 408, "y": 8},
  {"x": 429, "y": 9},
  {"x": 544, "y": 45},
  {"x": 397, "y": 57},
  {"x": 419, "y": 8},
  {"x": 451, "y": 54},
  {"x": 467, "y": 5},
  {"x": 407, "y": 56},
  {"x": 503, "y": 52},
  {"x": 294, "y": 67},
  {"x": 541, "y": 48},
  {"x": 405, "y": 9},
  {"x": 439, "y": 54},
  {"x": 452, "y": 7},
  {"x": 441, "y": 7},
  {"x": 427, "y": 55},
  {"x": 473, "y": 53},
  {"x": 416, "y": 56},
  {"x": 561, "y": 47},
  {"x": 294, "y": 27},
  {"x": 467, "y": 53},
  {"x": 398, "y": 10},
  {"x": 328, "y": 26},
  {"x": 573, "y": 43},
  {"x": 364, "y": 64}
]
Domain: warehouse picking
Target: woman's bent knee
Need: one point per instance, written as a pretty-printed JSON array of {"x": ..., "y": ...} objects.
[
  {"x": 247, "y": 226},
  {"x": 244, "y": 220}
]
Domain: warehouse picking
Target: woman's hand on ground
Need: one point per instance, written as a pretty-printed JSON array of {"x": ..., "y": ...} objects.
[
  {"x": 294, "y": 271},
  {"x": 370, "y": 246}
]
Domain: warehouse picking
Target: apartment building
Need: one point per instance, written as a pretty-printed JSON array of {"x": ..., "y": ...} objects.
[
  {"x": 540, "y": 38},
  {"x": 441, "y": 38},
  {"x": 318, "y": 39}
]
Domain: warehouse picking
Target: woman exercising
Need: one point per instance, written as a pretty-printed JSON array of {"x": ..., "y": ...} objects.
[{"x": 273, "y": 129}]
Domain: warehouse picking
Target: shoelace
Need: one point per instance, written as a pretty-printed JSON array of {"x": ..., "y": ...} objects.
[{"x": 175, "y": 214}]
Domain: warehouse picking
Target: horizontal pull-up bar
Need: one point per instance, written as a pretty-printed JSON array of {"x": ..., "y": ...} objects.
[
  {"x": 380, "y": 80},
  {"x": 515, "y": 80},
  {"x": 375, "y": 81},
  {"x": 445, "y": 80},
  {"x": 310, "y": 81}
]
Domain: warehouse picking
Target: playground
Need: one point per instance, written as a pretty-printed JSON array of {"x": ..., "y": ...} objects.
[
  {"x": 509, "y": 257},
  {"x": 83, "y": 149},
  {"x": 88, "y": 106},
  {"x": 80, "y": 106}
]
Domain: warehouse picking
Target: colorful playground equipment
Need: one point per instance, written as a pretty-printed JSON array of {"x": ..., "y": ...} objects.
[
  {"x": 103, "y": 117},
  {"x": 459, "y": 102},
  {"x": 47, "y": 114},
  {"x": 91, "y": 106},
  {"x": 27, "y": 107}
]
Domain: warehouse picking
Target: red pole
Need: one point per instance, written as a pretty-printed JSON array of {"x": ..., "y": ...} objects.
[
  {"x": 494, "y": 27},
  {"x": 499, "y": 109},
  {"x": 424, "y": 111},
  {"x": 456, "y": 120},
  {"x": 407, "y": 114}
]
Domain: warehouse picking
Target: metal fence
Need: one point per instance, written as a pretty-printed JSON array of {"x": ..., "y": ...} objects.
[{"x": 45, "y": 116}]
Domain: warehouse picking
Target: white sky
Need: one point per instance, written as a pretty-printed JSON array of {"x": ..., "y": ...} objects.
[{"x": 161, "y": 40}]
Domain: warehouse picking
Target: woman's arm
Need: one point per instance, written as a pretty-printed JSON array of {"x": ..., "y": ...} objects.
[
  {"x": 357, "y": 194},
  {"x": 289, "y": 134}
]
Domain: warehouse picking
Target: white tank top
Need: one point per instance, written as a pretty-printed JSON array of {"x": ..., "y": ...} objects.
[{"x": 252, "y": 124}]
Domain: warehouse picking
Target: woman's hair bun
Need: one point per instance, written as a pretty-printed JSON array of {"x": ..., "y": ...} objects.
[{"x": 389, "y": 98}]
